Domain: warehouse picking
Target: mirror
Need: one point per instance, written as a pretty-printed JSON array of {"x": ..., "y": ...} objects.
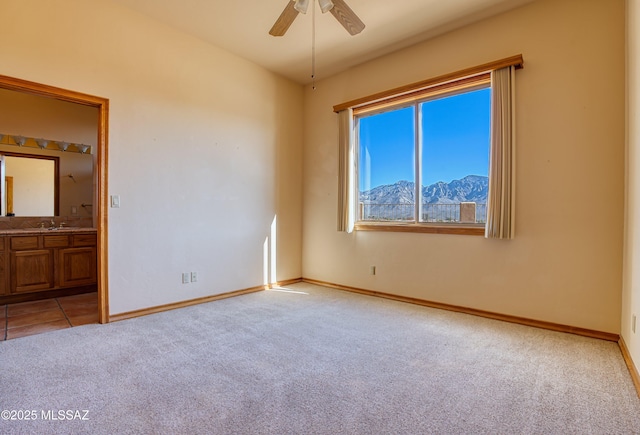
[
  {"x": 73, "y": 183},
  {"x": 31, "y": 186}
]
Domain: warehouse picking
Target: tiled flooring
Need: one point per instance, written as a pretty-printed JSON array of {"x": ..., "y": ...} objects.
[{"x": 29, "y": 318}]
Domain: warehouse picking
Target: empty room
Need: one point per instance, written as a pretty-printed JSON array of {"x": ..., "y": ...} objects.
[{"x": 322, "y": 216}]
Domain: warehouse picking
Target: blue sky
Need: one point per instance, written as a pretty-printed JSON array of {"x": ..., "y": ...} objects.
[{"x": 455, "y": 141}]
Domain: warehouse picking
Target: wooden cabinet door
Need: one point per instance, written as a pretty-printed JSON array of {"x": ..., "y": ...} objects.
[
  {"x": 31, "y": 270},
  {"x": 77, "y": 266}
]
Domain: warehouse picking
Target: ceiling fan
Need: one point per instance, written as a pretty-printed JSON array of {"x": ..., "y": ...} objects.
[{"x": 338, "y": 9}]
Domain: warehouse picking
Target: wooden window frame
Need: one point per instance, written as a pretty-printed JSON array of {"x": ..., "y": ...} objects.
[{"x": 464, "y": 80}]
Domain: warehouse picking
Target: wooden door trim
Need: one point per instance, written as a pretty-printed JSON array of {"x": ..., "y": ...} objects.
[{"x": 102, "y": 104}]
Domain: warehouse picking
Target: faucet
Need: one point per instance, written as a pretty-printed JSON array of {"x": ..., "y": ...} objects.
[{"x": 52, "y": 225}]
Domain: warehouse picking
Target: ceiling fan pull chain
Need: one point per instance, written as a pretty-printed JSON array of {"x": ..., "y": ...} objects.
[{"x": 313, "y": 46}]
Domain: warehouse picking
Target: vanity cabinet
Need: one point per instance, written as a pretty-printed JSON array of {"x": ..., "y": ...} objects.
[{"x": 45, "y": 262}]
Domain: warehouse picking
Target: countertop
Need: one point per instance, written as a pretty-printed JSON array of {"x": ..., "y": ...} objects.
[{"x": 38, "y": 231}]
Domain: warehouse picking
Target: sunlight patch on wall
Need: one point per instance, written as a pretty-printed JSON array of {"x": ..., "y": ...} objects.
[{"x": 269, "y": 255}]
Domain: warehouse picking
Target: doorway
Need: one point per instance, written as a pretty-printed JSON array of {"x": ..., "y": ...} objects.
[{"x": 102, "y": 104}]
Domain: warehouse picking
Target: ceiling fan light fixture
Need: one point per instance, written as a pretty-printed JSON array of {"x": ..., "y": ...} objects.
[
  {"x": 301, "y": 6},
  {"x": 325, "y": 5}
]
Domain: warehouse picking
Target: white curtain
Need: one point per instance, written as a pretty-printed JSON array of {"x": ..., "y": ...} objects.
[
  {"x": 346, "y": 202},
  {"x": 501, "y": 200}
]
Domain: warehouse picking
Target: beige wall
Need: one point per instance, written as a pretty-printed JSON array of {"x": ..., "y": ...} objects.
[
  {"x": 565, "y": 264},
  {"x": 204, "y": 147},
  {"x": 38, "y": 117},
  {"x": 631, "y": 292}
]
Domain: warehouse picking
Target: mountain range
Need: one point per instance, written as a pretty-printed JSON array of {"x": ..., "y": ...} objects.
[{"x": 472, "y": 188}]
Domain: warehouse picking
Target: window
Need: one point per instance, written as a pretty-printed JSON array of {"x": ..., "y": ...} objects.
[
  {"x": 439, "y": 142},
  {"x": 434, "y": 156}
]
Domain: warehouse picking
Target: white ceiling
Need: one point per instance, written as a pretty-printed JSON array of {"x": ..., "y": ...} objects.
[{"x": 242, "y": 26}]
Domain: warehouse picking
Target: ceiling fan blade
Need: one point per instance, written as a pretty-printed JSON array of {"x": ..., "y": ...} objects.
[
  {"x": 284, "y": 20},
  {"x": 346, "y": 17}
]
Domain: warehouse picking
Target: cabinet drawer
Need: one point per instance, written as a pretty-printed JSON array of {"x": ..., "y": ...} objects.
[
  {"x": 84, "y": 240},
  {"x": 24, "y": 242},
  {"x": 59, "y": 241}
]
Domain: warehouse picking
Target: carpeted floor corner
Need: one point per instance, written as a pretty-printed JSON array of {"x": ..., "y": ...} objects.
[{"x": 309, "y": 360}]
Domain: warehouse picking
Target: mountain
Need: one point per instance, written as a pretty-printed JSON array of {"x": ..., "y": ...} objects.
[{"x": 472, "y": 188}]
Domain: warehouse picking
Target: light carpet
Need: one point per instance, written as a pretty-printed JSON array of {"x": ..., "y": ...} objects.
[{"x": 310, "y": 360}]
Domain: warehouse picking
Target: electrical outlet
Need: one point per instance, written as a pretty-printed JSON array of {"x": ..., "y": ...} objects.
[
  {"x": 194, "y": 276},
  {"x": 185, "y": 278},
  {"x": 633, "y": 323},
  {"x": 372, "y": 270}
]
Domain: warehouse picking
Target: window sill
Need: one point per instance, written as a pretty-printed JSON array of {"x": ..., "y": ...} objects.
[{"x": 460, "y": 229}]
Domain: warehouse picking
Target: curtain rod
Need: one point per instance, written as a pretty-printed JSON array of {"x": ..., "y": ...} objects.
[{"x": 516, "y": 61}]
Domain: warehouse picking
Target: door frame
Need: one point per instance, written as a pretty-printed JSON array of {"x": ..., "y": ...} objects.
[{"x": 102, "y": 104}]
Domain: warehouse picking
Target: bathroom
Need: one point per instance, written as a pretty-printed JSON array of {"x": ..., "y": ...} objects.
[{"x": 47, "y": 218}]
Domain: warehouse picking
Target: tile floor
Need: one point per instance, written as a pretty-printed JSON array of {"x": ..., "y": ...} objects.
[{"x": 29, "y": 318}]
